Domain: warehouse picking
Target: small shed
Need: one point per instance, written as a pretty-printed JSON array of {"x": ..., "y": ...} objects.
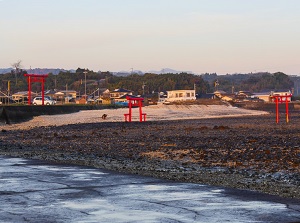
[{"x": 81, "y": 101}]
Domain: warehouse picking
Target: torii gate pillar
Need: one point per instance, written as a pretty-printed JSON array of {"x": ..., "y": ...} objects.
[{"x": 36, "y": 78}]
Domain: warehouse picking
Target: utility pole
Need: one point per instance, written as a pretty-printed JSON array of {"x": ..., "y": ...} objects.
[
  {"x": 297, "y": 86},
  {"x": 8, "y": 89},
  {"x": 85, "y": 72},
  {"x": 143, "y": 86},
  {"x": 216, "y": 85}
]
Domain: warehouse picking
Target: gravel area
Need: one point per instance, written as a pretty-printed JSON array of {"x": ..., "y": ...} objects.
[{"x": 247, "y": 152}]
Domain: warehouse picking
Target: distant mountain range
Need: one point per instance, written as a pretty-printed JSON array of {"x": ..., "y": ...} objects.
[
  {"x": 5, "y": 70},
  {"x": 37, "y": 70},
  {"x": 118, "y": 73},
  {"x": 169, "y": 70},
  {"x": 162, "y": 71}
]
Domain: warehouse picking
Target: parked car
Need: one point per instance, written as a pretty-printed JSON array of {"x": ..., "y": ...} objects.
[{"x": 47, "y": 101}]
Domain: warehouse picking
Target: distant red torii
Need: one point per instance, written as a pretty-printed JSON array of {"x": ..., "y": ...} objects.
[
  {"x": 36, "y": 78},
  {"x": 134, "y": 101},
  {"x": 282, "y": 99}
]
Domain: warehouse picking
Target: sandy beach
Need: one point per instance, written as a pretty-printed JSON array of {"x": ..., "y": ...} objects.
[
  {"x": 208, "y": 144},
  {"x": 154, "y": 113}
]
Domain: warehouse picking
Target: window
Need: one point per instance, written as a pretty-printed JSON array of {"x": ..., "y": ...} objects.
[{"x": 188, "y": 95}]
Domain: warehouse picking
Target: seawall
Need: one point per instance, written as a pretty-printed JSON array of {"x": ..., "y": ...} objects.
[{"x": 15, "y": 114}]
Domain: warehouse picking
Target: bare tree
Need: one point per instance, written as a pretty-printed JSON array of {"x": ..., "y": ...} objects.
[{"x": 17, "y": 69}]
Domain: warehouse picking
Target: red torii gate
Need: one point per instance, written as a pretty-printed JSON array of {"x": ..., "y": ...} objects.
[
  {"x": 279, "y": 99},
  {"x": 134, "y": 101},
  {"x": 36, "y": 78}
]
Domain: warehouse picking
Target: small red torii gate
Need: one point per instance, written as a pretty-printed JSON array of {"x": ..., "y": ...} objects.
[
  {"x": 134, "y": 101},
  {"x": 36, "y": 78},
  {"x": 279, "y": 99}
]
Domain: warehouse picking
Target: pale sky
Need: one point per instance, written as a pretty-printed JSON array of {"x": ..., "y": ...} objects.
[{"x": 222, "y": 36}]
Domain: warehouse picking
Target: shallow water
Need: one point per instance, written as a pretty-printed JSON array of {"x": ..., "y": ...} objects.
[{"x": 35, "y": 191}]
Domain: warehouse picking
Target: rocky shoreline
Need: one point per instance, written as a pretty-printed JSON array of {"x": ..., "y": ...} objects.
[{"x": 250, "y": 152}]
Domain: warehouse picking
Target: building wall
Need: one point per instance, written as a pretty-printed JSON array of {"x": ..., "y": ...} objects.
[{"x": 266, "y": 98}]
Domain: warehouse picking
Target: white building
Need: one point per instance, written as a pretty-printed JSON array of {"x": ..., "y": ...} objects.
[{"x": 181, "y": 95}]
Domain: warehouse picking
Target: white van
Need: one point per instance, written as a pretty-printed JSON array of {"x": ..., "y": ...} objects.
[{"x": 47, "y": 101}]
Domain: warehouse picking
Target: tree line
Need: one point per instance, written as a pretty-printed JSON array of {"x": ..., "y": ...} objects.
[
  {"x": 148, "y": 83},
  {"x": 253, "y": 82}
]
